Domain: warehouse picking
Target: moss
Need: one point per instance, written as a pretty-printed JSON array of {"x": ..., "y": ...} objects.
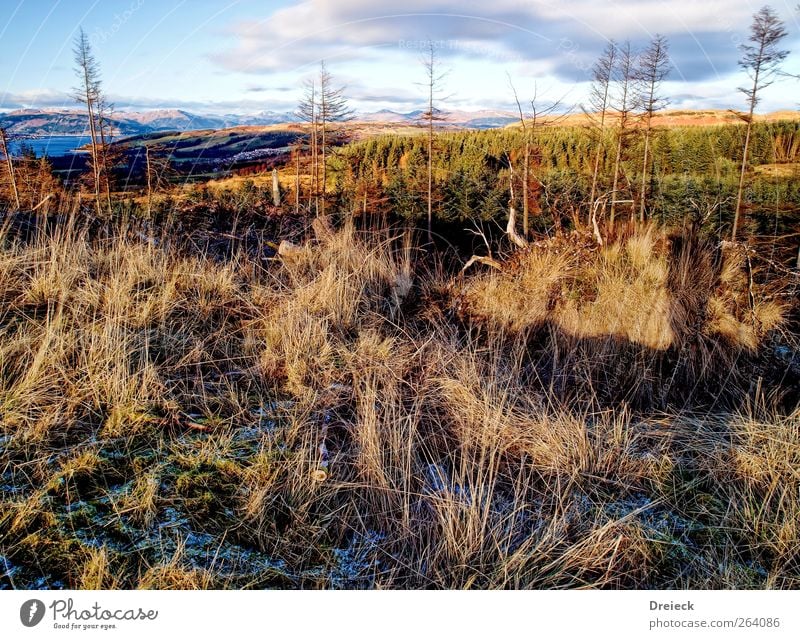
[
  {"x": 49, "y": 555},
  {"x": 205, "y": 489}
]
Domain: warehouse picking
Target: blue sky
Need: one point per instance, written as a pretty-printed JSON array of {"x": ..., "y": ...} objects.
[{"x": 245, "y": 56}]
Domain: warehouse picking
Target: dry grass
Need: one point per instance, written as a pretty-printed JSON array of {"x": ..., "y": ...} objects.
[
  {"x": 173, "y": 421},
  {"x": 634, "y": 289}
]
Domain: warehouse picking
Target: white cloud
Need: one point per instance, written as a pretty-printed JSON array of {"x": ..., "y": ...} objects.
[
  {"x": 36, "y": 99},
  {"x": 706, "y": 33}
]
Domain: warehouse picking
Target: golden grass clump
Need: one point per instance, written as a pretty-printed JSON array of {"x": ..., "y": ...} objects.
[{"x": 635, "y": 289}]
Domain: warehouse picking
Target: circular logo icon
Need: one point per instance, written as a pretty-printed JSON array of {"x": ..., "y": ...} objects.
[{"x": 31, "y": 612}]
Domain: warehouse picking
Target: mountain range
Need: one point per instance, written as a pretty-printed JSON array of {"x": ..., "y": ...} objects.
[
  {"x": 46, "y": 122},
  {"x": 40, "y": 122}
]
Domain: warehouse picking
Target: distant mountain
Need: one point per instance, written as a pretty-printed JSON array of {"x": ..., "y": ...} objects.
[
  {"x": 468, "y": 119},
  {"x": 487, "y": 119},
  {"x": 262, "y": 119},
  {"x": 384, "y": 115},
  {"x": 45, "y": 122},
  {"x": 170, "y": 120},
  {"x": 42, "y": 122},
  {"x": 178, "y": 120}
]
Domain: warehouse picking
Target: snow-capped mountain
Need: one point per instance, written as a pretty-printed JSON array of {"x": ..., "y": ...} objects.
[{"x": 40, "y": 122}]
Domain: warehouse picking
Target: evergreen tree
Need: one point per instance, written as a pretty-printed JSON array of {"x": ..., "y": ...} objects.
[
  {"x": 654, "y": 67},
  {"x": 761, "y": 60}
]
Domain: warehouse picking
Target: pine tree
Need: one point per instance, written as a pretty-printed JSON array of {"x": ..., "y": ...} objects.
[
  {"x": 761, "y": 60},
  {"x": 624, "y": 105},
  {"x": 88, "y": 92},
  {"x": 433, "y": 82},
  {"x": 332, "y": 108},
  {"x": 602, "y": 76},
  {"x": 540, "y": 116},
  {"x": 654, "y": 66},
  {"x": 307, "y": 112}
]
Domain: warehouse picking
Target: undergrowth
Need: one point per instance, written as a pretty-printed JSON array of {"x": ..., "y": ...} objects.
[{"x": 353, "y": 417}]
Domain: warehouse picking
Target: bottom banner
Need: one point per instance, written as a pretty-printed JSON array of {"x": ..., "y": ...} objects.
[{"x": 328, "y": 614}]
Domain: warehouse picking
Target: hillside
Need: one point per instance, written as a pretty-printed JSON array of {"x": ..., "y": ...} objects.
[
  {"x": 41, "y": 122},
  {"x": 677, "y": 118},
  {"x": 46, "y": 122}
]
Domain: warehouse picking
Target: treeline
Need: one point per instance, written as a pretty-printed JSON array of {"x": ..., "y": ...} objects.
[
  {"x": 619, "y": 165},
  {"x": 471, "y": 172},
  {"x": 698, "y": 150}
]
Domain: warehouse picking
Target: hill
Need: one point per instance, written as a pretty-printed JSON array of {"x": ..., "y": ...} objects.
[
  {"x": 678, "y": 118},
  {"x": 43, "y": 122}
]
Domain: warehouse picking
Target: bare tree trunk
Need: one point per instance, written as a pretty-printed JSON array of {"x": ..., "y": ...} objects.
[
  {"x": 324, "y": 154},
  {"x": 90, "y": 94},
  {"x": 315, "y": 158},
  {"x": 625, "y": 77},
  {"x": 149, "y": 179},
  {"x": 742, "y": 171},
  {"x": 104, "y": 164},
  {"x": 602, "y": 74},
  {"x": 307, "y": 113},
  {"x": 595, "y": 228},
  {"x": 93, "y": 135},
  {"x": 525, "y": 172},
  {"x": 95, "y": 155},
  {"x": 762, "y": 61},
  {"x": 511, "y": 227},
  {"x": 276, "y": 189},
  {"x": 645, "y": 160},
  {"x": 434, "y": 78},
  {"x": 652, "y": 69},
  {"x": 430, "y": 163},
  {"x": 297, "y": 182},
  {"x": 615, "y": 184},
  {"x": 10, "y": 164},
  {"x": 596, "y": 169}
]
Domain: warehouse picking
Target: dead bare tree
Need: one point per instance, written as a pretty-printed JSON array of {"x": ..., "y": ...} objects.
[
  {"x": 526, "y": 159},
  {"x": 297, "y": 187},
  {"x": 332, "y": 108},
  {"x": 511, "y": 227},
  {"x": 88, "y": 92},
  {"x": 761, "y": 60},
  {"x": 296, "y": 150},
  {"x": 653, "y": 68},
  {"x": 276, "y": 189},
  {"x": 149, "y": 174},
  {"x": 110, "y": 156},
  {"x": 307, "y": 112},
  {"x": 539, "y": 116},
  {"x": 433, "y": 84},
  {"x": 624, "y": 104},
  {"x": 602, "y": 76}
]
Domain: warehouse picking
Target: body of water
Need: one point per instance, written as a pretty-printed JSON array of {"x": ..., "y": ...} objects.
[{"x": 52, "y": 146}]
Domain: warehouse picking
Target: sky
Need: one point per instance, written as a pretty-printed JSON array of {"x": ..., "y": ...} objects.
[{"x": 248, "y": 56}]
